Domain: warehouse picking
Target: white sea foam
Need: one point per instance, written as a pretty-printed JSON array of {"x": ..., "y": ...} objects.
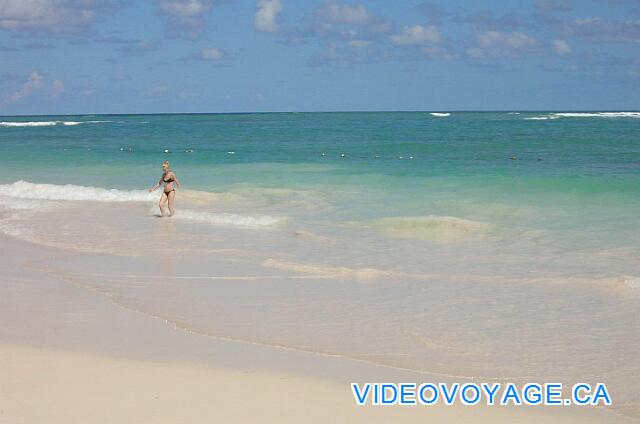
[
  {"x": 541, "y": 118},
  {"x": 584, "y": 115},
  {"x": 11, "y": 203},
  {"x": 327, "y": 271},
  {"x": 22, "y": 198},
  {"x": 629, "y": 282},
  {"x": 70, "y": 192},
  {"x": 47, "y": 123},
  {"x": 440, "y": 114},
  {"x": 226, "y": 219},
  {"x": 28, "y": 124},
  {"x": 598, "y": 114}
]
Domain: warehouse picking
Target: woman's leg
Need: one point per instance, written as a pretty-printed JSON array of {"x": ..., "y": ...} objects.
[
  {"x": 163, "y": 200},
  {"x": 171, "y": 196}
]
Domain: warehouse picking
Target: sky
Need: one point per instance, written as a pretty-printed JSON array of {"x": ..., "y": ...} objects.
[{"x": 165, "y": 56}]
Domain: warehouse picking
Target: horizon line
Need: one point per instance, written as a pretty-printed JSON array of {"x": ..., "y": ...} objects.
[{"x": 330, "y": 111}]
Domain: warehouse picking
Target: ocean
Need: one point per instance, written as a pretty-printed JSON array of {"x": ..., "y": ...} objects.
[{"x": 476, "y": 245}]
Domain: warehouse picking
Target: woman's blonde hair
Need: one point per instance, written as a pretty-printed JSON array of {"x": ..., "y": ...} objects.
[{"x": 166, "y": 162}]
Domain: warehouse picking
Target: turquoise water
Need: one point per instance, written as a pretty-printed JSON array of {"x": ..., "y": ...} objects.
[
  {"x": 579, "y": 173},
  {"x": 495, "y": 245}
]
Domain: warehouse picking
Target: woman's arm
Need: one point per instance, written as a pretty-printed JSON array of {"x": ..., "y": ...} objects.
[
  {"x": 155, "y": 187},
  {"x": 175, "y": 177}
]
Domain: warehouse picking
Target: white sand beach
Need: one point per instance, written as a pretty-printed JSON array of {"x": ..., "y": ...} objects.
[{"x": 72, "y": 354}]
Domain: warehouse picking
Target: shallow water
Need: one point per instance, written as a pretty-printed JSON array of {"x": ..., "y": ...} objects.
[{"x": 485, "y": 245}]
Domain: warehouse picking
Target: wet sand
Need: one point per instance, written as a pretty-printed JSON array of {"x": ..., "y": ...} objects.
[{"x": 71, "y": 354}]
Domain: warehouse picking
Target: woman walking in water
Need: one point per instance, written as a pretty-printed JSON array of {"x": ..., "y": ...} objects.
[{"x": 168, "y": 178}]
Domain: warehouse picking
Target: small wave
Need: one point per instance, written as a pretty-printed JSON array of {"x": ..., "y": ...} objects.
[
  {"x": 226, "y": 219},
  {"x": 322, "y": 271},
  {"x": 28, "y": 190},
  {"x": 430, "y": 227},
  {"x": 308, "y": 235},
  {"x": 559, "y": 115},
  {"x": 440, "y": 114},
  {"x": 72, "y": 123},
  {"x": 541, "y": 118},
  {"x": 627, "y": 282},
  {"x": 598, "y": 114},
  {"x": 47, "y": 123},
  {"x": 28, "y": 124}
]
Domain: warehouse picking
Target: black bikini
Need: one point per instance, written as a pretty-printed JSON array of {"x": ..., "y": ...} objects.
[{"x": 170, "y": 180}]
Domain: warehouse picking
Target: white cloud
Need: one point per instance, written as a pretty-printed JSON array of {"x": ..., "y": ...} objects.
[
  {"x": 186, "y": 15},
  {"x": 493, "y": 44},
  {"x": 553, "y": 5},
  {"x": 185, "y": 8},
  {"x": 513, "y": 40},
  {"x": 416, "y": 35},
  {"x": 561, "y": 47},
  {"x": 335, "y": 20},
  {"x": 605, "y": 30},
  {"x": 436, "y": 52},
  {"x": 346, "y": 14},
  {"x": 359, "y": 44},
  {"x": 211, "y": 53},
  {"x": 348, "y": 33},
  {"x": 33, "y": 82},
  {"x": 60, "y": 16},
  {"x": 57, "y": 88},
  {"x": 36, "y": 84},
  {"x": 266, "y": 19}
]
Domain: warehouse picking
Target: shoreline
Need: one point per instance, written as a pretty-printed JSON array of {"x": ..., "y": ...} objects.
[{"x": 91, "y": 361}]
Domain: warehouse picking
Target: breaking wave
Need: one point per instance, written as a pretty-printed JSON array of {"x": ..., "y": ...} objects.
[
  {"x": 70, "y": 192},
  {"x": 598, "y": 114},
  {"x": 584, "y": 115},
  {"x": 541, "y": 118},
  {"x": 47, "y": 123}
]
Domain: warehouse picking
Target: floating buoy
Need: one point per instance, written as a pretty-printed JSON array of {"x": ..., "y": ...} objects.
[
  {"x": 514, "y": 158},
  {"x": 189, "y": 151},
  {"x": 410, "y": 157},
  {"x": 377, "y": 157},
  {"x": 400, "y": 157},
  {"x": 342, "y": 155},
  {"x": 231, "y": 153},
  {"x": 167, "y": 151},
  {"x": 323, "y": 154}
]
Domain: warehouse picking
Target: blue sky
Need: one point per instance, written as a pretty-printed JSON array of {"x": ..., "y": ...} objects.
[{"x": 116, "y": 56}]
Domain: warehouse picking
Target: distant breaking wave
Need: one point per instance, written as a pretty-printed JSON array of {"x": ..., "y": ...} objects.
[
  {"x": 599, "y": 114},
  {"x": 541, "y": 118},
  {"x": 440, "y": 114},
  {"x": 584, "y": 115},
  {"x": 47, "y": 123}
]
